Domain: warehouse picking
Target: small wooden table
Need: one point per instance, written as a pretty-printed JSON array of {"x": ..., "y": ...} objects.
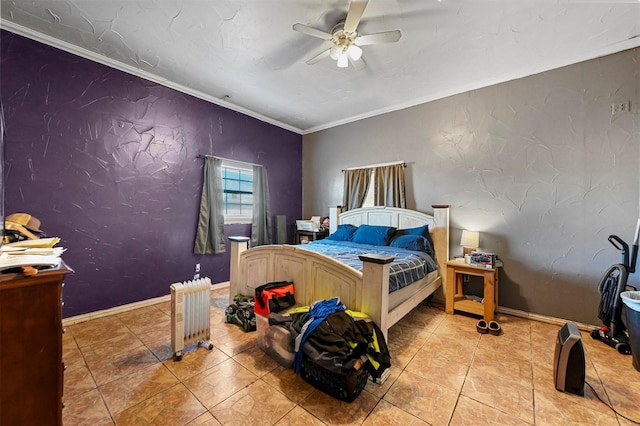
[
  {"x": 455, "y": 298},
  {"x": 303, "y": 237}
]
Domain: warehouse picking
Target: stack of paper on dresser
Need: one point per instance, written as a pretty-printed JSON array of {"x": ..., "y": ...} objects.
[{"x": 36, "y": 253}]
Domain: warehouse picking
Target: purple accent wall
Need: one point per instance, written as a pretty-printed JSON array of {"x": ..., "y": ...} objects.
[{"x": 107, "y": 162}]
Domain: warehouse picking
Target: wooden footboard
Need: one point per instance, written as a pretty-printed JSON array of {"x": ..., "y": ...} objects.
[{"x": 317, "y": 276}]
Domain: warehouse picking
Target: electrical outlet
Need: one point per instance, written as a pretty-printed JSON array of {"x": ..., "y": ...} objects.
[
  {"x": 619, "y": 107},
  {"x": 196, "y": 276},
  {"x": 197, "y": 268}
]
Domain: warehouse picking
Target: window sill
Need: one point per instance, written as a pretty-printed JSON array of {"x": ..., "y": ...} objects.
[{"x": 237, "y": 220}]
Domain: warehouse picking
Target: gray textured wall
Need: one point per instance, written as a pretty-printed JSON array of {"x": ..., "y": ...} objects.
[{"x": 539, "y": 165}]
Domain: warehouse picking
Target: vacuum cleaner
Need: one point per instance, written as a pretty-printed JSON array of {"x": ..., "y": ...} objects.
[{"x": 614, "y": 282}]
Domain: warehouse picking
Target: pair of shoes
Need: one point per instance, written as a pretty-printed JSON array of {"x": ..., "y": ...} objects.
[
  {"x": 482, "y": 327},
  {"x": 494, "y": 328}
]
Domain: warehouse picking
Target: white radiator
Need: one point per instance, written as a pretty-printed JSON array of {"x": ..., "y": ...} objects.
[{"x": 190, "y": 310}]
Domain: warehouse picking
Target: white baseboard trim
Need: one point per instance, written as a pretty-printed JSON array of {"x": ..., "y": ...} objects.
[
  {"x": 167, "y": 298},
  {"x": 128, "y": 307},
  {"x": 542, "y": 318}
]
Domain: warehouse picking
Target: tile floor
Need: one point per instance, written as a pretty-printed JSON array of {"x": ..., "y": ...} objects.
[{"x": 120, "y": 371}]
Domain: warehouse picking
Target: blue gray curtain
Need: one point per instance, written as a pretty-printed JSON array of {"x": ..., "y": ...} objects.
[
  {"x": 210, "y": 234},
  {"x": 261, "y": 223}
]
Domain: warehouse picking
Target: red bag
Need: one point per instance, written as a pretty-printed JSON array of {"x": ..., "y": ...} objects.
[{"x": 273, "y": 297}]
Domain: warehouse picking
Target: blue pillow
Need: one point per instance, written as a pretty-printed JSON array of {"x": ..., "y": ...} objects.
[
  {"x": 412, "y": 242},
  {"x": 343, "y": 233},
  {"x": 420, "y": 230},
  {"x": 374, "y": 235}
]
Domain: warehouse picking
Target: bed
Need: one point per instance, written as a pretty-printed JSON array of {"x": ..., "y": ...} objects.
[{"x": 317, "y": 276}]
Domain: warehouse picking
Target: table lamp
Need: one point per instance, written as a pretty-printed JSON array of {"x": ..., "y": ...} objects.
[{"x": 469, "y": 241}]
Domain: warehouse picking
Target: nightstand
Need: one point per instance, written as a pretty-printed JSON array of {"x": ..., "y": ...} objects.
[
  {"x": 303, "y": 237},
  {"x": 455, "y": 298}
]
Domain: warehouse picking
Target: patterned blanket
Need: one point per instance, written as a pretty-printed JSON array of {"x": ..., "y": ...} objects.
[{"x": 408, "y": 266}]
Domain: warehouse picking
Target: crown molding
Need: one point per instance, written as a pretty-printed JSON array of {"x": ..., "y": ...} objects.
[{"x": 112, "y": 63}]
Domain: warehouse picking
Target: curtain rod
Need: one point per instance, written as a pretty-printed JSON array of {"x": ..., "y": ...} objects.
[
  {"x": 376, "y": 165},
  {"x": 200, "y": 156}
]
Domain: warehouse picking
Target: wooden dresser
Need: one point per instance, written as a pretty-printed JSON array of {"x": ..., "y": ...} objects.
[{"x": 31, "y": 366}]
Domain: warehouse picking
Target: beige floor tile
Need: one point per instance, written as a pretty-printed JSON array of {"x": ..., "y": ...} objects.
[
  {"x": 256, "y": 404},
  {"x": 442, "y": 372},
  {"x": 450, "y": 348},
  {"x": 77, "y": 382},
  {"x": 289, "y": 383},
  {"x": 195, "y": 361},
  {"x": 205, "y": 419},
  {"x": 122, "y": 342},
  {"x": 404, "y": 342},
  {"x": 299, "y": 417},
  {"x": 159, "y": 342},
  {"x": 380, "y": 390},
  {"x": 386, "y": 414},
  {"x": 143, "y": 319},
  {"x": 256, "y": 361},
  {"x": 72, "y": 357},
  {"x": 514, "y": 327},
  {"x": 335, "y": 412},
  {"x": 422, "y": 398},
  {"x": 130, "y": 390},
  {"x": 97, "y": 330},
  {"x": 111, "y": 367},
  {"x": 555, "y": 408},
  {"x": 447, "y": 373},
  {"x": 459, "y": 327},
  {"x": 625, "y": 395},
  {"x": 470, "y": 412},
  {"x": 502, "y": 393},
  {"x": 173, "y": 406},
  {"x": 235, "y": 341},
  {"x": 423, "y": 318},
  {"x": 219, "y": 382},
  {"x": 87, "y": 409},
  {"x": 504, "y": 365},
  {"x": 505, "y": 344}
]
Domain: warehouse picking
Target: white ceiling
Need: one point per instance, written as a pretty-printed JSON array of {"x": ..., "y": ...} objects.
[{"x": 243, "y": 54}]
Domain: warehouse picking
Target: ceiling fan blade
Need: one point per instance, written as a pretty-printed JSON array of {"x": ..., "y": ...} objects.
[
  {"x": 356, "y": 9},
  {"x": 385, "y": 37},
  {"x": 357, "y": 65},
  {"x": 318, "y": 57},
  {"x": 312, "y": 31}
]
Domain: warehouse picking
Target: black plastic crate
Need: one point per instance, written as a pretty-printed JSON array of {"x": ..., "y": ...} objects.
[{"x": 343, "y": 386}]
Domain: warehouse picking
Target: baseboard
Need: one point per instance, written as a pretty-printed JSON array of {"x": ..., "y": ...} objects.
[
  {"x": 528, "y": 315},
  {"x": 543, "y": 318},
  {"x": 128, "y": 307},
  {"x": 143, "y": 303}
]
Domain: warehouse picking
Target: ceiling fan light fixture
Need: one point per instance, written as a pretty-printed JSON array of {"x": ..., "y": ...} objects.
[
  {"x": 343, "y": 60},
  {"x": 354, "y": 52},
  {"x": 334, "y": 52}
]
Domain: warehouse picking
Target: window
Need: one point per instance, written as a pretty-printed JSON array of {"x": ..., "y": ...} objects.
[
  {"x": 369, "y": 199},
  {"x": 237, "y": 182}
]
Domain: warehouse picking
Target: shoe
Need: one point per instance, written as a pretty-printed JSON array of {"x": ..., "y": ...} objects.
[
  {"x": 482, "y": 328},
  {"x": 494, "y": 328}
]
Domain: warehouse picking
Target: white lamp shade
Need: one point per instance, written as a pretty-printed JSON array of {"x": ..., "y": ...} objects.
[{"x": 470, "y": 239}]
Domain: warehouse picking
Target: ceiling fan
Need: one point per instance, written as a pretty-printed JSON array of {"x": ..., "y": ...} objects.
[{"x": 345, "y": 38}]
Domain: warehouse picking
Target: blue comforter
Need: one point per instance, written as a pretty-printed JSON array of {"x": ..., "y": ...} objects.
[{"x": 408, "y": 266}]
